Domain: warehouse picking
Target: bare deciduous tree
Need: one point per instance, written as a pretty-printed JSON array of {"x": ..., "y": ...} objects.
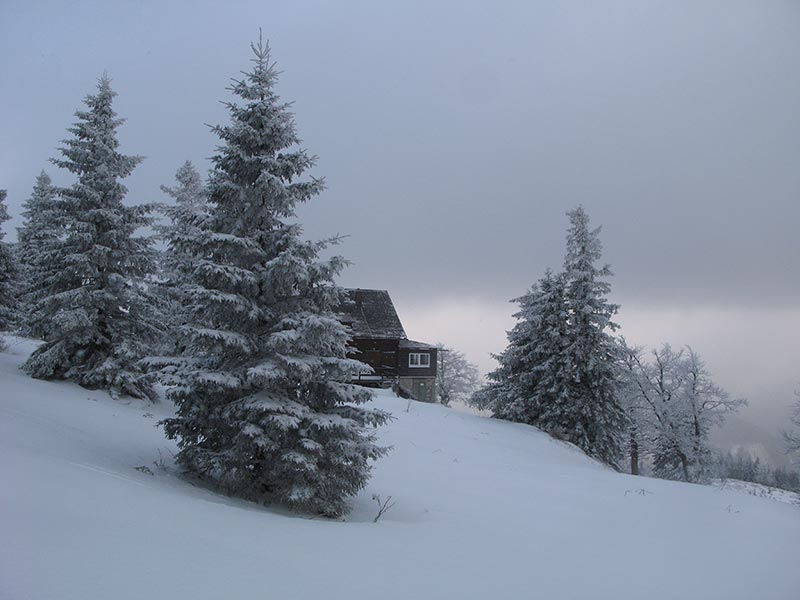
[
  {"x": 456, "y": 377},
  {"x": 673, "y": 404}
]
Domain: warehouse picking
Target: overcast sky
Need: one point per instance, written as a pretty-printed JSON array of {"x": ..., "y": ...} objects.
[{"x": 454, "y": 136}]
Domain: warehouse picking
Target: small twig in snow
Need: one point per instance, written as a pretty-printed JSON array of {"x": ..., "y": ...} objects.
[
  {"x": 382, "y": 506},
  {"x": 641, "y": 492},
  {"x": 160, "y": 464}
]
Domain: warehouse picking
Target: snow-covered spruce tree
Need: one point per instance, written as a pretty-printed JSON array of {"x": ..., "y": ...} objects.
[
  {"x": 38, "y": 242},
  {"x": 97, "y": 316},
  {"x": 456, "y": 378},
  {"x": 530, "y": 383},
  {"x": 184, "y": 219},
  {"x": 592, "y": 418},
  {"x": 266, "y": 409},
  {"x": 510, "y": 391},
  {"x": 561, "y": 370},
  {"x": 8, "y": 273},
  {"x": 555, "y": 369}
]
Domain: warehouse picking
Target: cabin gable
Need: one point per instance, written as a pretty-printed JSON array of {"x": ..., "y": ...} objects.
[{"x": 380, "y": 341}]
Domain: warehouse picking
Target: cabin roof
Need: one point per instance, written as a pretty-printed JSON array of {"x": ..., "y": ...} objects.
[
  {"x": 371, "y": 314},
  {"x": 414, "y": 345}
]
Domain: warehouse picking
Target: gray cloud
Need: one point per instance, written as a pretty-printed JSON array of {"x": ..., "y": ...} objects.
[{"x": 454, "y": 136}]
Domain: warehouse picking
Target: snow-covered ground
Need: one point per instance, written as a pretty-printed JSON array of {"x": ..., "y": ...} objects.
[
  {"x": 757, "y": 489},
  {"x": 483, "y": 509}
]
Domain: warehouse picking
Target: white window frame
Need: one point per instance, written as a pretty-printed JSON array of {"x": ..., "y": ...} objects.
[{"x": 418, "y": 356}]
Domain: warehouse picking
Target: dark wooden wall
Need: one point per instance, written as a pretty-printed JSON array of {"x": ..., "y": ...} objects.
[
  {"x": 381, "y": 355},
  {"x": 388, "y": 359},
  {"x": 406, "y": 371}
]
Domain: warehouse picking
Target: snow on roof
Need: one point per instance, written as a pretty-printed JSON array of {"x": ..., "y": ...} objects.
[
  {"x": 414, "y": 345},
  {"x": 371, "y": 314}
]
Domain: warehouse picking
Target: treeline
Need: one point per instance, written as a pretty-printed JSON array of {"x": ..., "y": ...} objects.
[{"x": 743, "y": 466}]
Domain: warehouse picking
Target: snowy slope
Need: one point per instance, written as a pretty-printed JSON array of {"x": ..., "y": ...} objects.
[{"x": 484, "y": 509}]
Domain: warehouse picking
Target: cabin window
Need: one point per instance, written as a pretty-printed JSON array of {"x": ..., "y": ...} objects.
[{"x": 419, "y": 360}]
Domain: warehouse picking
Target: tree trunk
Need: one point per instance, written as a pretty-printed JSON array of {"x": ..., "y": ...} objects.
[
  {"x": 684, "y": 466},
  {"x": 634, "y": 454}
]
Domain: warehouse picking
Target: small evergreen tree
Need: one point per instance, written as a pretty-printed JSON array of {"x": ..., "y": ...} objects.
[
  {"x": 593, "y": 417},
  {"x": 266, "y": 409},
  {"x": 97, "y": 316},
  {"x": 8, "y": 273},
  {"x": 530, "y": 383},
  {"x": 185, "y": 217},
  {"x": 506, "y": 395},
  {"x": 38, "y": 241}
]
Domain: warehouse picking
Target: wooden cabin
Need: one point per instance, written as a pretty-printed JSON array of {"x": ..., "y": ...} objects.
[{"x": 381, "y": 342}]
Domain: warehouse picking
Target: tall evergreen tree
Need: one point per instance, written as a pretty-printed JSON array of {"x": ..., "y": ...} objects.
[
  {"x": 561, "y": 369},
  {"x": 38, "y": 241},
  {"x": 97, "y": 316},
  {"x": 266, "y": 409},
  {"x": 593, "y": 416},
  {"x": 8, "y": 273}
]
